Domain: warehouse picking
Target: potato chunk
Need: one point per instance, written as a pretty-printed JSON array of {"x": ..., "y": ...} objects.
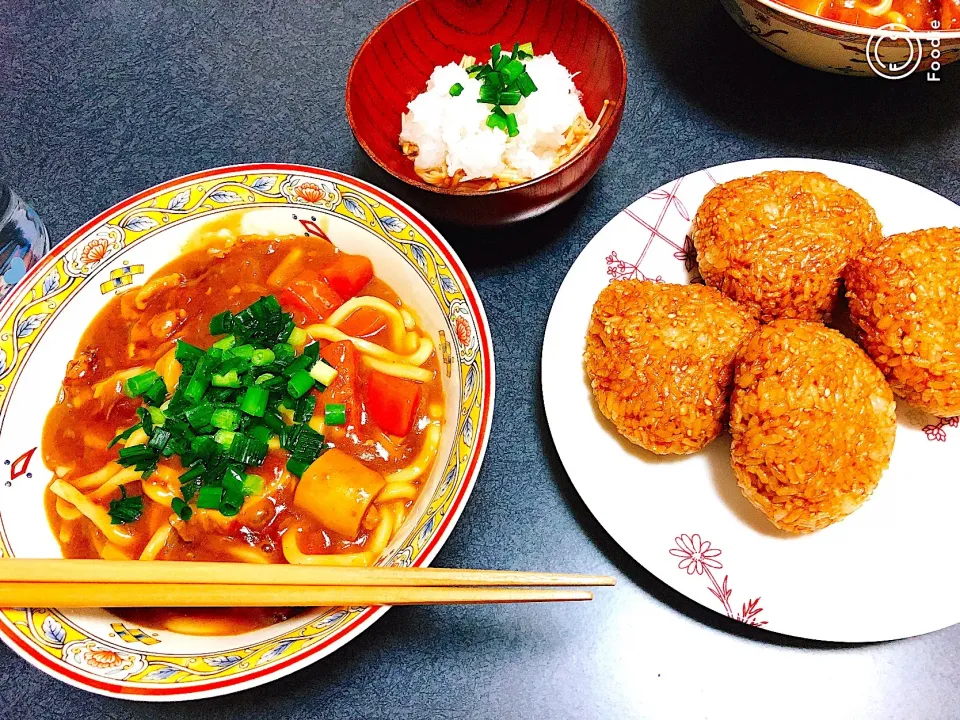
[{"x": 338, "y": 490}]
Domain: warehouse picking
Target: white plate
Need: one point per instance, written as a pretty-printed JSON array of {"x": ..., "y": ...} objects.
[{"x": 885, "y": 572}]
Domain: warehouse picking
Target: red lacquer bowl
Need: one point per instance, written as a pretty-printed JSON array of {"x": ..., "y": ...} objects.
[{"x": 395, "y": 62}]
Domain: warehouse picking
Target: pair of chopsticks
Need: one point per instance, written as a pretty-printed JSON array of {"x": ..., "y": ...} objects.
[{"x": 134, "y": 583}]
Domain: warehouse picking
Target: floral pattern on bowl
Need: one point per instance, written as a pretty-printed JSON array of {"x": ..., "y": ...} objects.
[
  {"x": 837, "y": 47},
  {"x": 40, "y": 326}
]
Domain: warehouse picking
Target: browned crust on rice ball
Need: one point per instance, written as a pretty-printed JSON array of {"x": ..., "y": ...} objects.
[
  {"x": 905, "y": 299},
  {"x": 778, "y": 242},
  {"x": 813, "y": 424},
  {"x": 660, "y": 361}
]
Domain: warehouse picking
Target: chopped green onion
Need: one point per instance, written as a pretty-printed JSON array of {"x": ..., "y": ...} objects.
[
  {"x": 209, "y": 497},
  {"x": 196, "y": 387},
  {"x": 300, "y": 383},
  {"x": 254, "y": 401},
  {"x": 232, "y": 479},
  {"x": 512, "y": 129},
  {"x": 221, "y": 323},
  {"x": 505, "y": 82},
  {"x": 244, "y": 351},
  {"x": 334, "y": 414},
  {"x": 135, "y": 454},
  {"x": 526, "y": 85},
  {"x": 199, "y": 415},
  {"x": 262, "y": 432},
  {"x": 224, "y": 413},
  {"x": 510, "y": 72},
  {"x": 489, "y": 95},
  {"x": 273, "y": 421},
  {"x": 125, "y": 435},
  {"x": 126, "y": 509},
  {"x": 160, "y": 438},
  {"x": 200, "y": 380},
  {"x": 284, "y": 352},
  {"x": 183, "y": 511},
  {"x": 297, "y": 467},
  {"x": 263, "y": 356},
  {"x": 139, "y": 384},
  {"x": 323, "y": 373},
  {"x": 228, "y": 379},
  {"x": 252, "y": 485},
  {"x": 192, "y": 474},
  {"x": 189, "y": 489},
  {"x": 496, "y": 122},
  {"x": 186, "y": 352},
  {"x": 301, "y": 363},
  {"x": 225, "y": 418},
  {"x": 272, "y": 381},
  {"x": 231, "y": 503},
  {"x": 156, "y": 394},
  {"x": 456, "y": 89},
  {"x": 303, "y": 442},
  {"x": 263, "y": 322},
  {"x": 204, "y": 446},
  {"x": 156, "y": 416},
  {"x": 305, "y": 408},
  {"x": 225, "y": 343},
  {"x": 247, "y": 450},
  {"x": 298, "y": 336},
  {"x": 224, "y": 437}
]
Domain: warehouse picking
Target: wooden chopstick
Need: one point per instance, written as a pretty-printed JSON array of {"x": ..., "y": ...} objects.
[
  {"x": 23, "y": 570},
  {"x": 80, "y": 595}
]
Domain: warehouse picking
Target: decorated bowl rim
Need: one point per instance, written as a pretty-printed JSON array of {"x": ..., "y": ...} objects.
[
  {"x": 928, "y": 35},
  {"x": 445, "y": 524},
  {"x": 616, "y": 106}
]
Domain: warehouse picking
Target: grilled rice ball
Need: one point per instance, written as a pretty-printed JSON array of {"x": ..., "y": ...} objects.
[
  {"x": 813, "y": 424},
  {"x": 778, "y": 242},
  {"x": 660, "y": 361},
  {"x": 904, "y": 300}
]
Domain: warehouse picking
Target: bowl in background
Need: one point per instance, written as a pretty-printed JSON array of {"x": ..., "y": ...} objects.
[
  {"x": 41, "y": 323},
  {"x": 842, "y": 48},
  {"x": 394, "y": 63}
]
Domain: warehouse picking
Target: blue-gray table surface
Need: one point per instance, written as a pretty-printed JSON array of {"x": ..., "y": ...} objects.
[{"x": 103, "y": 98}]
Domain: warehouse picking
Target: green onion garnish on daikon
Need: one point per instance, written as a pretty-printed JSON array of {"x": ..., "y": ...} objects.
[
  {"x": 456, "y": 89},
  {"x": 505, "y": 83},
  {"x": 225, "y": 411}
]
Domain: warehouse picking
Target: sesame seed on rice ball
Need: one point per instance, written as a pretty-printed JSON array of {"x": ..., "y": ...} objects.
[
  {"x": 660, "y": 357},
  {"x": 813, "y": 424},
  {"x": 778, "y": 242},
  {"x": 905, "y": 300}
]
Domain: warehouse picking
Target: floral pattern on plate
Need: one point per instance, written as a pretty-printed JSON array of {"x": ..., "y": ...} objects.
[{"x": 648, "y": 504}]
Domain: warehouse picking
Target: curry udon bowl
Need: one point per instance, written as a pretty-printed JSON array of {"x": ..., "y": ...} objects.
[
  {"x": 841, "y": 48},
  {"x": 47, "y": 315}
]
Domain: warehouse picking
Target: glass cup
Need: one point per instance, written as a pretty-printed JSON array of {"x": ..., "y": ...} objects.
[{"x": 23, "y": 239}]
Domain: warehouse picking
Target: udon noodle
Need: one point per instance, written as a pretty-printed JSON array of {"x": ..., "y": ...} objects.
[{"x": 379, "y": 421}]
